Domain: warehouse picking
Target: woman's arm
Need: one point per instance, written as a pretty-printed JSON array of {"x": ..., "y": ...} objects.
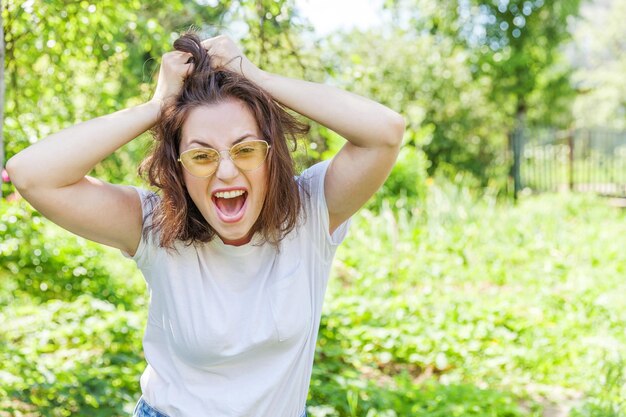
[
  {"x": 51, "y": 174},
  {"x": 65, "y": 157},
  {"x": 374, "y": 132}
]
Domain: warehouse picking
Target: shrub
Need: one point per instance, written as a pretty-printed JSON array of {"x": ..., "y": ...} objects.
[
  {"x": 47, "y": 262},
  {"x": 70, "y": 358}
]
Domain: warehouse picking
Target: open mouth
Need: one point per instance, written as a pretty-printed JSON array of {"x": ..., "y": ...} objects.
[{"x": 230, "y": 206}]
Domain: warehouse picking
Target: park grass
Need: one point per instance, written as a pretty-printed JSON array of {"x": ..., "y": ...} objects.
[{"x": 463, "y": 306}]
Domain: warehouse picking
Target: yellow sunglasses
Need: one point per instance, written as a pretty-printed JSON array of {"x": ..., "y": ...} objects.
[{"x": 203, "y": 162}]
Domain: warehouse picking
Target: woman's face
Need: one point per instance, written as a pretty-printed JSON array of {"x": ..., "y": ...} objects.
[{"x": 219, "y": 126}]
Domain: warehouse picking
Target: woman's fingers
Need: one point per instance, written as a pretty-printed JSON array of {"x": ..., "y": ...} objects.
[
  {"x": 207, "y": 43},
  {"x": 175, "y": 67},
  {"x": 178, "y": 57},
  {"x": 223, "y": 48},
  {"x": 226, "y": 53},
  {"x": 190, "y": 67}
]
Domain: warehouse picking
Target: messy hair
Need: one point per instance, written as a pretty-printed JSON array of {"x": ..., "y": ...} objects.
[{"x": 176, "y": 217}]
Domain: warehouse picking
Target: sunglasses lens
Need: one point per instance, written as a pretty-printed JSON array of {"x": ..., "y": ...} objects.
[
  {"x": 201, "y": 162},
  {"x": 249, "y": 155}
]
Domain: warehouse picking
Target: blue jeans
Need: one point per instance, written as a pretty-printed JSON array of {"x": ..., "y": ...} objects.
[{"x": 143, "y": 409}]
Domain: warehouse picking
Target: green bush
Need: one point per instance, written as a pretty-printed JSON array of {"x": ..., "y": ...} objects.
[
  {"x": 517, "y": 298},
  {"x": 609, "y": 397},
  {"x": 70, "y": 358},
  {"x": 47, "y": 262},
  {"x": 463, "y": 305},
  {"x": 361, "y": 369},
  {"x": 406, "y": 184}
]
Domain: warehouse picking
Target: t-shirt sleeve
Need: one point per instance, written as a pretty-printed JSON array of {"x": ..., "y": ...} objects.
[
  {"x": 144, "y": 256},
  {"x": 318, "y": 221}
]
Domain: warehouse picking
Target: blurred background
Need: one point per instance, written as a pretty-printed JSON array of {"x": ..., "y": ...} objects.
[{"x": 485, "y": 278}]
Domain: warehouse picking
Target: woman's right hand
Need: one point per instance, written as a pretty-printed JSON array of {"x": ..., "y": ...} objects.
[{"x": 174, "y": 68}]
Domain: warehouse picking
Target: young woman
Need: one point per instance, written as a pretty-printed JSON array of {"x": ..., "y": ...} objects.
[{"x": 235, "y": 248}]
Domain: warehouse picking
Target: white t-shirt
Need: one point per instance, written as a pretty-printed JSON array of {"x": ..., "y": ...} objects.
[{"x": 232, "y": 330}]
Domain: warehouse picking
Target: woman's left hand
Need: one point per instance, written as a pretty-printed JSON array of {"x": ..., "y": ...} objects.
[{"x": 225, "y": 53}]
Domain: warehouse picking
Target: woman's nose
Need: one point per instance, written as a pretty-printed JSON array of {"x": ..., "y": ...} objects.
[{"x": 226, "y": 170}]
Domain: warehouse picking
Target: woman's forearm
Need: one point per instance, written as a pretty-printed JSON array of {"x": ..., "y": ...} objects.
[
  {"x": 363, "y": 122},
  {"x": 65, "y": 157}
]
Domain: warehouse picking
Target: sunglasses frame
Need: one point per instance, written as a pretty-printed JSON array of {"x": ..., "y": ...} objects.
[{"x": 229, "y": 156}]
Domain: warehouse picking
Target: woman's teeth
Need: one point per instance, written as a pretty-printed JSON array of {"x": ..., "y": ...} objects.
[{"x": 229, "y": 194}]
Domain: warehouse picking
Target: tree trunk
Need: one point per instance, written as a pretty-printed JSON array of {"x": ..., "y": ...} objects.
[
  {"x": 1, "y": 98},
  {"x": 516, "y": 142}
]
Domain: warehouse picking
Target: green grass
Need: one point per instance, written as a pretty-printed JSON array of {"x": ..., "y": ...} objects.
[{"x": 462, "y": 307}]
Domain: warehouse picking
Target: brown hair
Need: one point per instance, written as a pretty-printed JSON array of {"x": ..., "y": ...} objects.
[{"x": 177, "y": 217}]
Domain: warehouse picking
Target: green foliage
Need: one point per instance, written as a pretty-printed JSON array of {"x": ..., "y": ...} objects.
[
  {"x": 68, "y": 62},
  {"x": 59, "y": 73},
  {"x": 452, "y": 71},
  {"x": 406, "y": 184},
  {"x": 54, "y": 264},
  {"x": 600, "y": 58},
  {"x": 475, "y": 69},
  {"x": 458, "y": 306},
  {"x": 449, "y": 116},
  {"x": 70, "y": 358},
  {"x": 442, "y": 302},
  {"x": 609, "y": 398},
  {"x": 272, "y": 38},
  {"x": 404, "y": 398},
  {"x": 517, "y": 50},
  {"x": 470, "y": 292},
  {"x": 512, "y": 45}
]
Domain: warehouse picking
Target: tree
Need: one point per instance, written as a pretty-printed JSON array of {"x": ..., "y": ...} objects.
[
  {"x": 513, "y": 49},
  {"x": 515, "y": 45},
  {"x": 518, "y": 45},
  {"x": 1, "y": 94},
  {"x": 427, "y": 79},
  {"x": 72, "y": 61},
  {"x": 599, "y": 55},
  {"x": 68, "y": 62}
]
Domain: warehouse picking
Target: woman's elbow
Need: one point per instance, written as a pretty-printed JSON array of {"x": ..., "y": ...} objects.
[
  {"x": 12, "y": 171},
  {"x": 397, "y": 127}
]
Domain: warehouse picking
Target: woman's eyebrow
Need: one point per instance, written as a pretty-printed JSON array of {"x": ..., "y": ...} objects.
[
  {"x": 206, "y": 145},
  {"x": 247, "y": 135}
]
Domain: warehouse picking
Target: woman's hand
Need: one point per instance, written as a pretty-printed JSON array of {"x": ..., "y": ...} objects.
[
  {"x": 174, "y": 68},
  {"x": 225, "y": 53}
]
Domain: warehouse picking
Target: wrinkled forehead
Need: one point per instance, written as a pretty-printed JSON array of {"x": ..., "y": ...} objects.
[{"x": 219, "y": 126}]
